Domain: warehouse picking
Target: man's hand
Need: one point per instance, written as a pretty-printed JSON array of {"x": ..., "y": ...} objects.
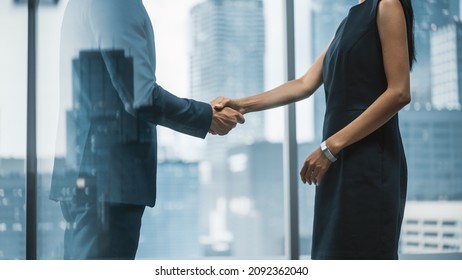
[{"x": 225, "y": 120}]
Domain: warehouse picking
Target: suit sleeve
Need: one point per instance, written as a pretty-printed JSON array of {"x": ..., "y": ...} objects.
[{"x": 180, "y": 114}]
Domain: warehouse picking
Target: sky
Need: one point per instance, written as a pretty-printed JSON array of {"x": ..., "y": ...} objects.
[{"x": 170, "y": 21}]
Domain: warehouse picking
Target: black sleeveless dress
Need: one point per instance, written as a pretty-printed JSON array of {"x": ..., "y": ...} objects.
[{"x": 359, "y": 205}]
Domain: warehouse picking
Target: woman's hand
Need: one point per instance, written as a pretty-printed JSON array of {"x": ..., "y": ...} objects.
[
  {"x": 221, "y": 102},
  {"x": 314, "y": 168}
]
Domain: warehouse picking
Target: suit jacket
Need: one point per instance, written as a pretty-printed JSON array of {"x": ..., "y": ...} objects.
[{"x": 111, "y": 104}]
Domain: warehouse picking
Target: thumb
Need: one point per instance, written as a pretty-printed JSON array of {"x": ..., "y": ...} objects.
[
  {"x": 218, "y": 106},
  {"x": 240, "y": 118}
]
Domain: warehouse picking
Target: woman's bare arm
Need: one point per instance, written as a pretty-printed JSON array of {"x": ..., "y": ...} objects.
[
  {"x": 392, "y": 30},
  {"x": 286, "y": 93}
]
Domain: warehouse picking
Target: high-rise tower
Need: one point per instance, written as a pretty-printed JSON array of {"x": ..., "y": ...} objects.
[
  {"x": 227, "y": 58},
  {"x": 227, "y": 55},
  {"x": 446, "y": 66}
]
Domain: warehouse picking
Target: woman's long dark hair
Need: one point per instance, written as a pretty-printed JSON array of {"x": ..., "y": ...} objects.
[{"x": 409, "y": 14}]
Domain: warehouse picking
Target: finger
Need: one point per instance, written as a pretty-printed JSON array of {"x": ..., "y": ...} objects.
[
  {"x": 303, "y": 172},
  {"x": 216, "y": 101},
  {"x": 317, "y": 174},
  {"x": 308, "y": 177},
  {"x": 218, "y": 106},
  {"x": 309, "y": 174},
  {"x": 228, "y": 126},
  {"x": 314, "y": 176},
  {"x": 240, "y": 118}
]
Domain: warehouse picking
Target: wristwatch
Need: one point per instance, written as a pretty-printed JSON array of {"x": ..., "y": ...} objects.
[{"x": 327, "y": 152}]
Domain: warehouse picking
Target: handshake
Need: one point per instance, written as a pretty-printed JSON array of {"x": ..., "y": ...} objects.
[{"x": 227, "y": 113}]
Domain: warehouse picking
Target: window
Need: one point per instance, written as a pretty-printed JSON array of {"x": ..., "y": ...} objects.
[
  {"x": 449, "y": 235},
  {"x": 234, "y": 201},
  {"x": 430, "y": 122},
  {"x": 13, "y": 96},
  {"x": 430, "y": 245},
  {"x": 430, "y": 223},
  {"x": 449, "y": 223},
  {"x": 217, "y": 196}
]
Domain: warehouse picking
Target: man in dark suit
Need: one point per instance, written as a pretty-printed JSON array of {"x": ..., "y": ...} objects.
[{"x": 108, "y": 64}]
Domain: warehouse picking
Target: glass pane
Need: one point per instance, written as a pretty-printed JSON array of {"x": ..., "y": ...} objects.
[
  {"x": 430, "y": 125},
  {"x": 221, "y": 197},
  {"x": 315, "y": 25},
  {"x": 218, "y": 197},
  {"x": 13, "y": 92},
  {"x": 51, "y": 225}
]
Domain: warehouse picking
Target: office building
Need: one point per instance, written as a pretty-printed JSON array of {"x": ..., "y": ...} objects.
[
  {"x": 435, "y": 152},
  {"x": 11, "y": 166},
  {"x": 432, "y": 227},
  {"x": 446, "y": 66},
  {"x": 50, "y": 223},
  {"x": 172, "y": 228},
  {"x": 227, "y": 56},
  {"x": 249, "y": 216},
  {"x": 12, "y": 214},
  {"x": 95, "y": 100},
  {"x": 428, "y": 15},
  {"x": 434, "y": 155}
]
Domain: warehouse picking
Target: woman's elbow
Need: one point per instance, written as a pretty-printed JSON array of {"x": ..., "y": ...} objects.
[
  {"x": 308, "y": 87},
  {"x": 402, "y": 97}
]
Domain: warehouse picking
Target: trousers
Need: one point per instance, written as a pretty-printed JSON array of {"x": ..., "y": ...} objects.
[{"x": 101, "y": 230}]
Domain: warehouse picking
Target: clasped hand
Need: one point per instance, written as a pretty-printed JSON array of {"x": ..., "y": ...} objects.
[{"x": 224, "y": 117}]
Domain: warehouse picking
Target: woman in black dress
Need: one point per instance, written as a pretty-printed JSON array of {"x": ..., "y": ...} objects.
[{"x": 360, "y": 168}]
